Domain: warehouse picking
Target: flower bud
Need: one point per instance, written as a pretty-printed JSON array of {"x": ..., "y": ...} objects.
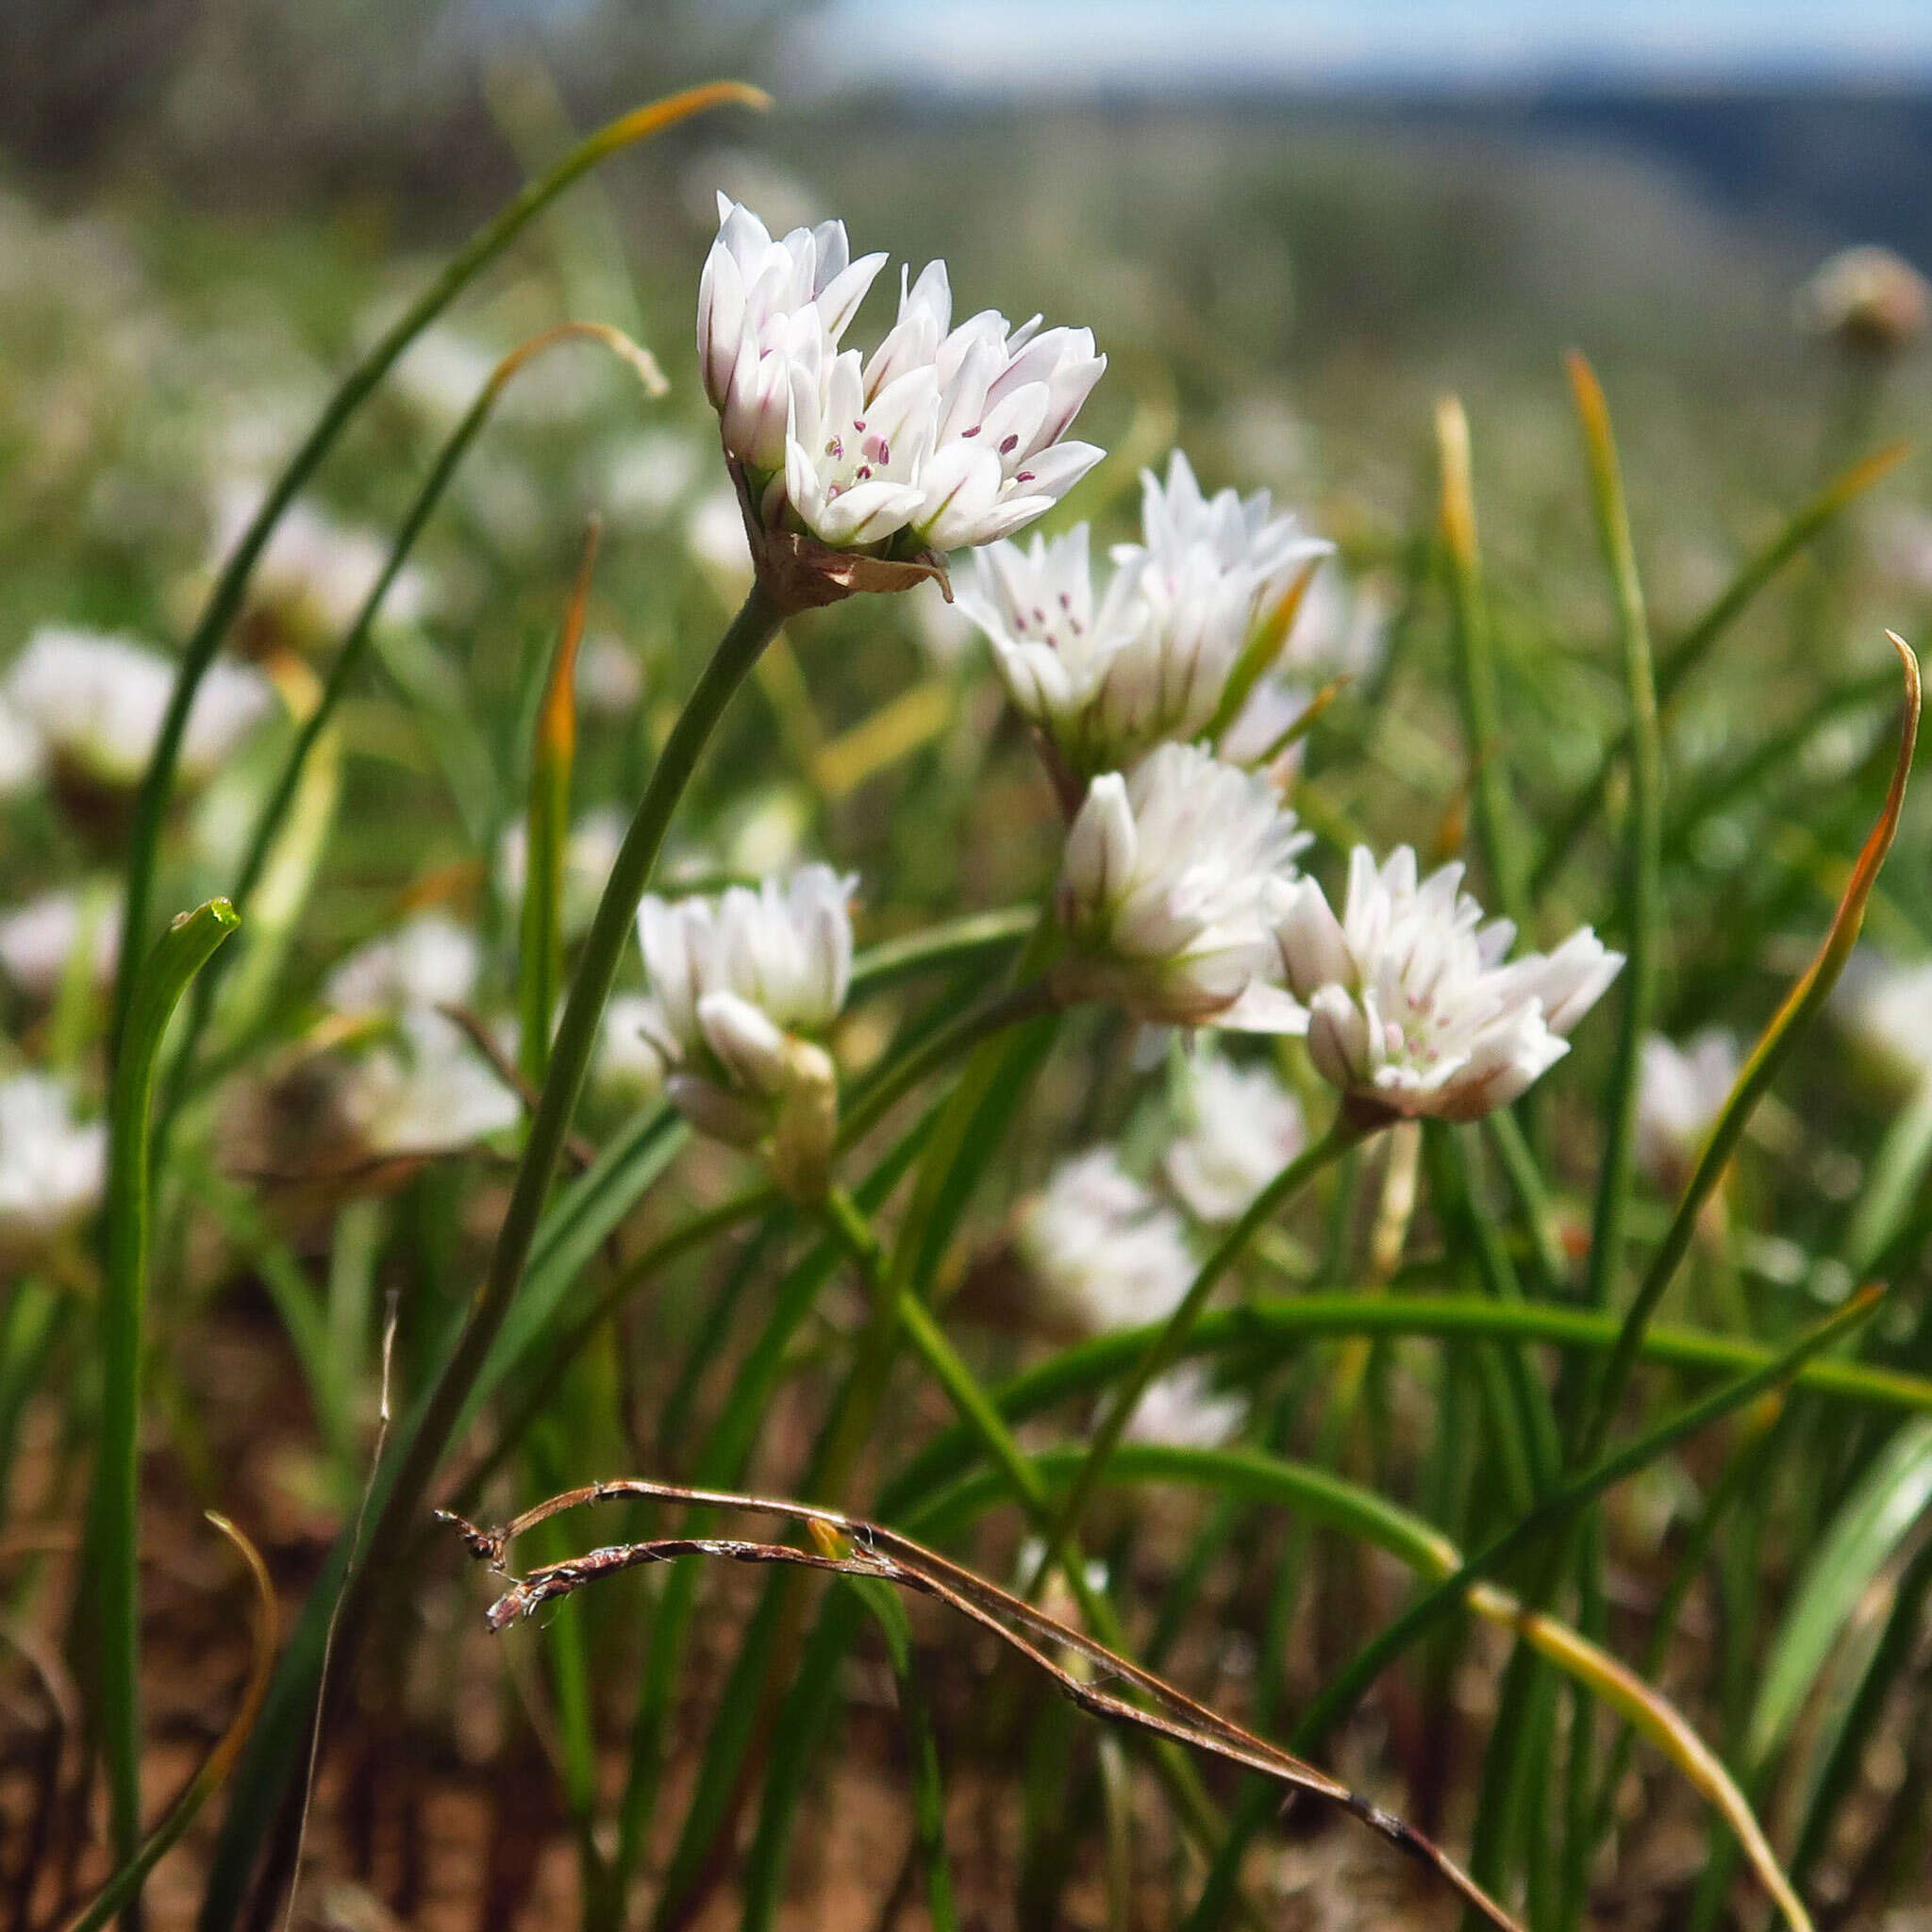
[{"x": 1869, "y": 300}]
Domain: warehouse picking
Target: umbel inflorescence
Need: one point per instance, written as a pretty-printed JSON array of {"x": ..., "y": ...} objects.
[
  {"x": 944, "y": 436},
  {"x": 1157, "y": 701}
]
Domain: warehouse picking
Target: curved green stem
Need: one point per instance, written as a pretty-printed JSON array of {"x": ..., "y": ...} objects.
[{"x": 159, "y": 984}]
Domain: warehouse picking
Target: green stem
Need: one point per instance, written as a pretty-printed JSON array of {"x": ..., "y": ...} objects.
[
  {"x": 576, "y": 1039},
  {"x": 116, "y": 1604},
  {"x": 1348, "y": 1130},
  {"x": 576, "y": 1033}
]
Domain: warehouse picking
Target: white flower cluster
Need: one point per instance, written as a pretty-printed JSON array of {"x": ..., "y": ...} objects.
[
  {"x": 1174, "y": 881},
  {"x": 1206, "y": 592},
  {"x": 738, "y": 985},
  {"x": 422, "y": 1087},
  {"x": 53, "y": 1169},
  {"x": 944, "y": 436},
  {"x": 97, "y": 702},
  {"x": 1412, "y": 1007}
]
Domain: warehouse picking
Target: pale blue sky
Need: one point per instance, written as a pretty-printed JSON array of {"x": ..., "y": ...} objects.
[{"x": 1058, "y": 43}]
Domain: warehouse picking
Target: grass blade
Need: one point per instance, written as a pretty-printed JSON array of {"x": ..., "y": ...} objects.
[
  {"x": 1890, "y": 1660},
  {"x": 1642, "y": 902},
  {"x": 114, "y": 1527},
  {"x": 1554, "y": 1512}
]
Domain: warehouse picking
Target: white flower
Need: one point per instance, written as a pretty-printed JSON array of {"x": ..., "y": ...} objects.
[
  {"x": 1411, "y": 1003},
  {"x": 737, "y": 984},
  {"x": 424, "y": 1090},
  {"x": 38, "y": 941},
  {"x": 1172, "y": 882},
  {"x": 52, "y": 1168},
  {"x": 951, "y": 436},
  {"x": 1888, "y": 1011},
  {"x": 1242, "y": 1128},
  {"x": 1151, "y": 658},
  {"x": 23, "y": 752},
  {"x": 852, "y": 457},
  {"x": 427, "y": 961},
  {"x": 1680, "y": 1092},
  {"x": 1105, "y": 1253},
  {"x": 589, "y": 853},
  {"x": 1182, "y": 1409},
  {"x": 759, "y": 303},
  {"x": 99, "y": 701},
  {"x": 421, "y": 1086}
]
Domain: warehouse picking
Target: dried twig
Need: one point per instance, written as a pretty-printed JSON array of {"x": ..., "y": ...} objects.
[{"x": 850, "y": 1546}]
